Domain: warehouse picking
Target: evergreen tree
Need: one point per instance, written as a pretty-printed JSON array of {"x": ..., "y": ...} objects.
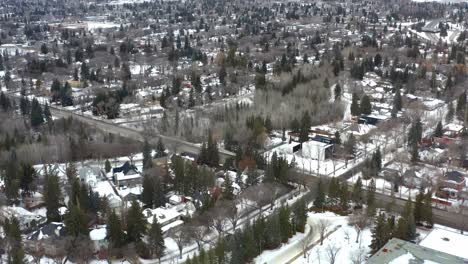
[
  {"x": 344, "y": 197},
  {"x": 148, "y": 191},
  {"x": 461, "y": 105},
  {"x": 52, "y": 197},
  {"x": 415, "y": 132},
  {"x": 115, "y": 234},
  {"x": 408, "y": 214},
  {"x": 284, "y": 223},
  {"x": 450, "y": 113},
  {"x": 156, "y": 239},
  {"x": 47, "y": 114},
  {"x": 228, "y": 190},
  {"x": 136, "y": 223},
  {"x": 401, "y": 231},
  {"x": 371, "y": 207},
  {"x": 75, "y": 222},
  {"x": 37, "y": 117},
  {"x": 108, "y": 166},
  {"x": 319, "y": 201},
  {"x": 397, "y": 103},
  {"x": 379, "y": 233},
  {"x": 366, "y": 106},
  {"x": 438, "y": 131},
  {"x": 418, "y": 206},
  {"x": 355, "y": 109},
  {"x": 377, "y": 159},
  {"x": 414, "y": 152},
  {"x": 160, "y": 150},
  {"x": 337, "y": 138},
  {"x": 357, "y": 192},
  {"x": 147, "y": 158},
  {"x": 427, "y": 209},
  {"x": 28, "y": 175},
  {"x": 337, "y": 92},
  {"x": 305, "y": 127},
  {"x": 350, "y": 145}
]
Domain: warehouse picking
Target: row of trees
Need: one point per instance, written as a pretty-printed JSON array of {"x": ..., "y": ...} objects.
[{"x": 262, "y": 234}]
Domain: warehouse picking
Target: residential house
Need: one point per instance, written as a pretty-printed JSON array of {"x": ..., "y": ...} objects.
[
  {"x": 98, "y": 236},
  {"x": 167, "y": 217},
  {"x": 49, "y": 240},
  {"x": 89, "y": 175},
  {"x": 126, "y": 175},
  {"x": 452, "y": 183}
]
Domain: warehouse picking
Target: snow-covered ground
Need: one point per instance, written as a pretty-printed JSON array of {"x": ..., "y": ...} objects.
[{"x": 341, "y": 236}]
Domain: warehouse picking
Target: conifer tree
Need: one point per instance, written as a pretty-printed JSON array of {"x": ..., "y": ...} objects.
[
  {"x": 418, "y": 206},
  {"x": 357, "y": 192},
  {"x": 52, "y": 197},
  {"x": 337, "y": 138},
  {"x": 366, "y": 106},
  {"x": 115, "y": 234},
  {"x": 75, "y": 221},
  {"x": 228, "y": 190},
  {"x": 408, "y": 214},
  {"x": 156, "y": 239},
  {"x": 160, "y": 149},
  {"x": 344, "y": 197},
  {"x": 37, "y": 117},
  {"x": 450, "y": 113},
  {"x": 108, "y": 166},
  {"x": 319, "y": 201},
  {"x": 355, "y": 109},
  {"x": 438, "y": 131},
  {"x": 427, "y": 209},
  {"x": 371, "y": 198},
  {"x": 147, "y": 158},
  {"x": 136, "y": 223},
  {"x": 284, "y": 223},
  {"x": 47, "y": 114},
  {"x": 379, "y": 233},
  {"x": 305, "y": 127},
  {"x": 401, "y": 231},
  {"x": 148, "y": 191},
  {"x": 337, "y": 92}
]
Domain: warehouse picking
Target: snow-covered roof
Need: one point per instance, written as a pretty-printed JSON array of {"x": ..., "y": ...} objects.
[
  {"x": 98, "y": 234},
  {"x": 446, "y": 240},
  {"x": 164, "y": 215}
]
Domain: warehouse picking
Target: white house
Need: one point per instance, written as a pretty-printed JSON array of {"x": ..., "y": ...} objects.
[{"x": 315, "y": 150}]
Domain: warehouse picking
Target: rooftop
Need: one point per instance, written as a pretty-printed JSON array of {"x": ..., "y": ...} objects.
[{"x": 401, "y": 252}]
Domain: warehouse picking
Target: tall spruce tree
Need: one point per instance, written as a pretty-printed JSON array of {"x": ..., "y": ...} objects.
[
  {"x": 115, "y": 233},
  {"x": 37, "y": 116},
  {"x": 52, "y": 197},
  {"x": 355, "y": 109},
  {"x": 366, "y": 106},
  {"x": 156, "y": 239},
  {"x": 357, "y": 192},
  {"x": 136, "y": 223},
  {"x": 147, "y": 158},
  {"x": 319, "y": 201},
  {"x": 438, "y": 131}
]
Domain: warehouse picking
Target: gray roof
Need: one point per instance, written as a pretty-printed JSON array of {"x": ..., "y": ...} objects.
[{"x": 406, "y": 252}]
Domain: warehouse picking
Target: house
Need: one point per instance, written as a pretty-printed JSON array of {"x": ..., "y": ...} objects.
[
  {"x": 89, "y": 175},
  {"x": 452, "y": 183},
  {"x": 98, "y": 236},
  {"x": 126, "y": 175},
  {"x": 167, "y": 217},
  {"x": 27, "y": 219},
  {"x": 400, "y": 251},
  {"x": 34, "y": 200},
  {"x": 452, "y": 130},
  {"x": 49, "y": 240},
  {"x": 412, "y": 179},
  {"x": 454, "y": 179},
  {"x": 316, "y": 150}
]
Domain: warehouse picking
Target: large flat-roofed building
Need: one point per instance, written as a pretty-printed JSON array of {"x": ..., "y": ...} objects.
[{"x": 403, "y": 252}]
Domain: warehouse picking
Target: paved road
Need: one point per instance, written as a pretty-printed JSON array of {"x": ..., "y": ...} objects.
[
  {"x": 441, "y": 216},
  {"x": 177, "y": 144}
]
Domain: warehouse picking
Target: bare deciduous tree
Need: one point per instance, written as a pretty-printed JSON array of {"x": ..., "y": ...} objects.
[
  {"x": 305, "y": 242},
  {"x": 359, "y": 222},
  {"x": 323, "y": 225},
  {"x": 332, "y": 252}
]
